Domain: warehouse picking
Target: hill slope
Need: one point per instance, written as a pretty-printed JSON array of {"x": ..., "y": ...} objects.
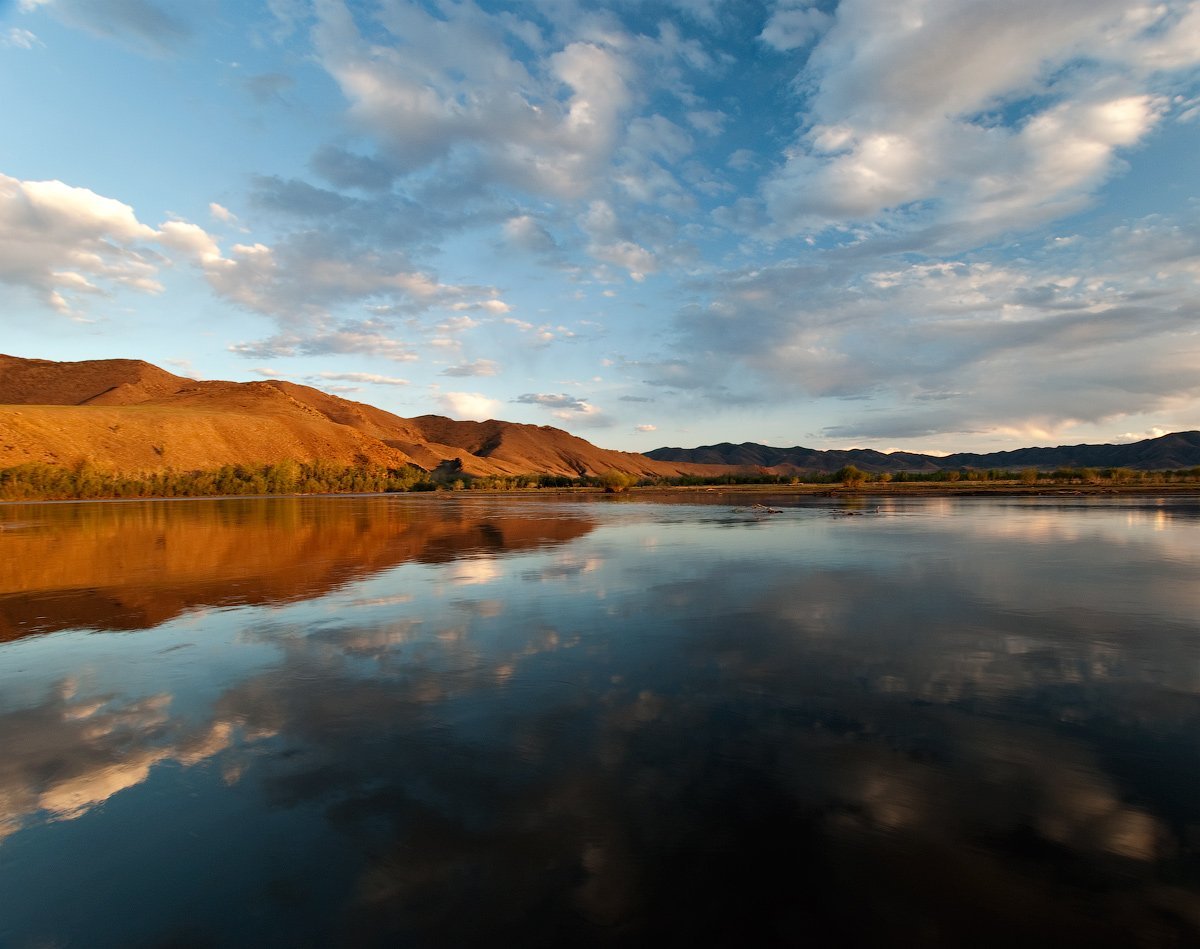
[
  {"x": 130, "y": 416},
  {"x": 1175, "y": 451}
]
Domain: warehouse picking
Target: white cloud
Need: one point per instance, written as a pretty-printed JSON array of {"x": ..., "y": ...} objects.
[
  {"x": 1099, "y": 329},
  {"x": 609, "y": 244},
  {"x": 369, "y": 378},
  {"x": 19, "y": 38},
  {"x": 449, "y": 87},
  {"x": 524, "y": 232},
  {"x": 478, "y": 367},
  {"x": 558, "y": 402},
  {"x": 567, "y": 408},
  {"x": 645, "y": 428},
  {"x": 221, "y": 213},
  {"x": 794, "y": 24},
  {"x": 708, "y": 121},
  {"x": 469, "y": 405},
  {"x": 898, "y": 118},
  {"x": 367, "y": 340},
  {"x": 59, "y": 241}
]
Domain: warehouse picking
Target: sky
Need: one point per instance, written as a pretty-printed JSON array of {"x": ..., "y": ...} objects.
[{"x": 929, "y": 225}]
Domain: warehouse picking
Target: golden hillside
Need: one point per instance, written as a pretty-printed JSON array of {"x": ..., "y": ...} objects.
[{"x": 128, "y": 416}]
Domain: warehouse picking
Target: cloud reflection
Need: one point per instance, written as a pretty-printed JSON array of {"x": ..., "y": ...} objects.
[{"x": 845, "y": 726}]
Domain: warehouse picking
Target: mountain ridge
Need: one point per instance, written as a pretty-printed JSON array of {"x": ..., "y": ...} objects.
[
  {"x": 1173, "y": 451},
  {"x": 129, "y": 416}
]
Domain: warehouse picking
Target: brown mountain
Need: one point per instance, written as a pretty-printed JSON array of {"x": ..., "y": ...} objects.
[{"x": 129, "y": 416}]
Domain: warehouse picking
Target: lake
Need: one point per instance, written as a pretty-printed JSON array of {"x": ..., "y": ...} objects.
[{"x": 459, "y": 720}]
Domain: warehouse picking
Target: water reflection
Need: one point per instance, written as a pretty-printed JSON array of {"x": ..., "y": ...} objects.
[
  {"x": 136, "y": 565},
  {"x": 676, "y": 726}
]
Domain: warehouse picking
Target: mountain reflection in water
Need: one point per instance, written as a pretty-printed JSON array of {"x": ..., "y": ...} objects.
[
  {"x": 526, "y": 723},
  {"x": 137, "y": 564}
]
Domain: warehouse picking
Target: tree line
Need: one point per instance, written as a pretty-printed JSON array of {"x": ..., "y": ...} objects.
[{"x": 45, "y": 482}]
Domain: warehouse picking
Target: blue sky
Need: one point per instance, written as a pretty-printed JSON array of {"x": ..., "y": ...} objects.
[{"x": 922, "y": 224}]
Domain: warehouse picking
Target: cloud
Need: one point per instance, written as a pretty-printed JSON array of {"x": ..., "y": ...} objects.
[
  {"x": 900, "y": 126},
  {"x": 525, "y": 233},
  {"x": 469, "y": 405},
  {"x": 348, "y": 338},
  {"x": 794, "y": 23},
  {"x": 552, "y": 401},
  {"x": 1098, "y": 329},
  {"x": 268, "y": 87},
  {"x": 344, "y": 169},
  {"x": 221, "y": 213},
  {"x": 645, "y": 428},
  {"x": 448, "y": 88},
  {"x": 609, "y": 244},
  {"x": 369, "y": 378},
  {"x": 80, "y": 751},
  {"x": 19, "y": 38},
  {"x": 478, "y": 367},
  {"x": 567, "y": 408},
  {"x": 60, "y": 242},
  {"x": 142, "y": 24},
  {"x": 708, "y": 121}
]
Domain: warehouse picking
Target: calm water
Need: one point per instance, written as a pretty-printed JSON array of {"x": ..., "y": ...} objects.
[{"x": 455, "y": 722}]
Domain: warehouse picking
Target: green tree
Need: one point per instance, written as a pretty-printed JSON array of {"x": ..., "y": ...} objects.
[{"x": 849, "y": 476}]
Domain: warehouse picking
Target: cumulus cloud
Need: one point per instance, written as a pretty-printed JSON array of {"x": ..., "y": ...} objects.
[
  {"x": 469, "y": 405},
  {"x": 610, "y": 244},
  {"x": 449, "y": 88},
  {"x": 567, "y": 408},
  {"x": 60, "y": 242},
  {"x": 899, "y": 120},
  {"x": 645, "y": 428}
]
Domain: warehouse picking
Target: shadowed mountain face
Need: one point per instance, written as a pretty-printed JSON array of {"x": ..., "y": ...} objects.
[
  {"x": 138, "y": 564},
  {"x": 129, "y": 416},
  {"x": 1174, "y": 451}
]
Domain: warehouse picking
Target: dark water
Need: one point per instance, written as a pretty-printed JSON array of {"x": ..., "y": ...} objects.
[{"x": 431, "y": 722}]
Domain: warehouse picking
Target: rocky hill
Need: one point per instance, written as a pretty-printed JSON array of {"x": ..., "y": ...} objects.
[
  {"x": 129, "y": 416},
  {"x": 1179, "y": 450}
]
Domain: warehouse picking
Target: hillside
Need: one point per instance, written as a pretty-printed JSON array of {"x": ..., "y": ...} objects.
[
  {"x": 130, "y": 416},
  {"x": 1178, "y": 450}
]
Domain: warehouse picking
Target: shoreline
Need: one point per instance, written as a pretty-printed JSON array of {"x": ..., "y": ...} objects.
[{"x": 962, "y": 489}]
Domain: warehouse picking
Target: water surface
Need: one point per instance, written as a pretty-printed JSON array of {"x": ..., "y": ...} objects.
[{"x": 457, "y": 721}]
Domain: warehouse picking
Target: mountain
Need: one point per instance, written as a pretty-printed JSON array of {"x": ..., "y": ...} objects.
[
  {"x": 130, "y": 416},
  {"x": 1175, "y": 451}
]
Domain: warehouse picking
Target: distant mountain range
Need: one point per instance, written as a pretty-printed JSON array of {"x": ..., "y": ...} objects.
[{"x": 1175, "y": 451}]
